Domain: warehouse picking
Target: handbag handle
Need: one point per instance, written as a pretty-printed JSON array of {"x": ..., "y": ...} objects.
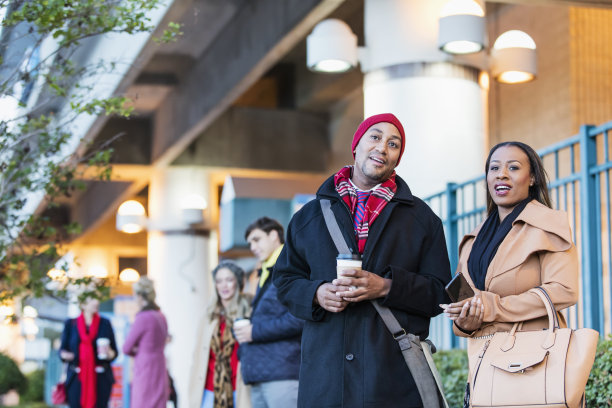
[{"x": 553, "y": 322}]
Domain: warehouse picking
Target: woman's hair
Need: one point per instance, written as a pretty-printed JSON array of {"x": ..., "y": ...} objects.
[
  {"x": 145, "y": 289},
  {"x": 539, "y": 190},
  {"x": 239, "y": 305}
]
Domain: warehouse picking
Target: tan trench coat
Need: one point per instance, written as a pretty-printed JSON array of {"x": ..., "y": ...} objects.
[
  {"x": 538, "y": 251},
  {"x": 199, "y": 368}
]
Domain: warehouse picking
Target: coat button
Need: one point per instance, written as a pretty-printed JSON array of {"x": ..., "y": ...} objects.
[{"x": 349, "y": 357}]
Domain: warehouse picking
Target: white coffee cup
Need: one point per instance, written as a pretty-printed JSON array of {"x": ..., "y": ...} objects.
[
  {"x": 241, "y": 323},
  {"x": 103, "y": 346},
  {"x": 347, "y": 262}
]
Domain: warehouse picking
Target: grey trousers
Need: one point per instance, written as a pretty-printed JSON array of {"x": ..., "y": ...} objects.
[{"x": 274, "y": 394}]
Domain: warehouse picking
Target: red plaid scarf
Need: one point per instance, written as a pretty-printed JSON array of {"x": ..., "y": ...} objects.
[{"x": 376, "y": 202}]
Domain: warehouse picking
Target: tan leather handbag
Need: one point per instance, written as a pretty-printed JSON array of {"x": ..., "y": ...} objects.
[{"x": 543, "y": 368}]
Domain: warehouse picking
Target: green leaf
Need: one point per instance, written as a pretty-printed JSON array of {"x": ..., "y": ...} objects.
[{"x": 30, "y": 148}]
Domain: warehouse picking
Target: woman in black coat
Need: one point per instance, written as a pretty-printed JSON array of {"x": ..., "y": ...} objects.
[{"x": 90, "y": 377}]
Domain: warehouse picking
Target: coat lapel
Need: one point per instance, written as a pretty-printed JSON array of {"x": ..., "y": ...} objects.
[
  {"x": 376, "y": 229},
  {"x": 536, "y": 229},
  {"x": 343, "y": 216},
  {"x": 345, "y": 222},
  {"x": 403, "y": 196}
]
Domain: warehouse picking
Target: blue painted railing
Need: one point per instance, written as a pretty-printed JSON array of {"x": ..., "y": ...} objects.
[{"x": 579, "y": 169}]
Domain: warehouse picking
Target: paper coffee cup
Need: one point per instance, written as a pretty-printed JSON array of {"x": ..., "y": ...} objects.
[
  {"x": 347, "y": 262},
  {"x": 241, "y": 323},
  {"x": 103, "y": 346}
]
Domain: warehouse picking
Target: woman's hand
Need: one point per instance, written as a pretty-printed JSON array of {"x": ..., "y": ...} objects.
[
  {"x": 362, "y": 285},
  {"x": 467, "y": 314},
  {"x": 66, "y": 355}
]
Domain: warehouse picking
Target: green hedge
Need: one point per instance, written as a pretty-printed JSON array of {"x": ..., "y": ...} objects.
[
  {"x": 599, "y": 386},
  {"x": 35, "y": 392},
  {"x": 11, "y": 377},
  {"x": 453, "y": 368}
]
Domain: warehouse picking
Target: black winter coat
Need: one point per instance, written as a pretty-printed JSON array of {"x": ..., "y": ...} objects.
[
  {"x": 105, "y": 379},
  {"x": 349, "y": 359},
  {"x": 274, "y": 353}
]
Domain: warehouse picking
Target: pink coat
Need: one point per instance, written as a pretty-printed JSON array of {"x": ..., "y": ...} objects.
[{"x": 146, "y": 342}]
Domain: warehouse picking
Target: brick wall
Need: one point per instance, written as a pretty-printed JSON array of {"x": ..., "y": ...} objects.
[{"x": 537, "y": 112}]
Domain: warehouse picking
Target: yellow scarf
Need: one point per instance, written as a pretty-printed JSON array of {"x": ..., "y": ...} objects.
[{"x": 268, "y": 264}]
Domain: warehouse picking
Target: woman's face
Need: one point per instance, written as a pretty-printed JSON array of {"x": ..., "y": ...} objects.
[
  {"x": 90, "y": 306},
  {"x": 509, "y": 177},
  {"x": 226, "y": 284}
]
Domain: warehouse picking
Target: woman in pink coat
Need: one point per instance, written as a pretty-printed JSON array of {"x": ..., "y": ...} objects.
[{"x": 145, "y": 342}]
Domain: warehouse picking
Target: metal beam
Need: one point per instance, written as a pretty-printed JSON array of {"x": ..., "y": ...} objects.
[
  {"x": 101, "y": 200},
  {"x": 253, "y": 138},
  {"x": 257, "y": 38},
  {"x": 202, "y": 19}
]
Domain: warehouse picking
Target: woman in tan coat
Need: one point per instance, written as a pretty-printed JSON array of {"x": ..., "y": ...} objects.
[
  {"x": 215, "y": 374},
  {"x": 522, "y": 244}
]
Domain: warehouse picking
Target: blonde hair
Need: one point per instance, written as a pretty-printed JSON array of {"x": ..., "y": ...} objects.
[
  {"x": 239, "y": 305},
  {"x": 145, "y": 289}
]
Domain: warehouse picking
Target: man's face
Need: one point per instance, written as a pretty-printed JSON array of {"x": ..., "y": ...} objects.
[
  {"x": 376, "y": 155},
  {"x": 262, "y": 244}
]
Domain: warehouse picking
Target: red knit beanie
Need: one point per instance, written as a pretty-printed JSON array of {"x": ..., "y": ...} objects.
[{"x": 372, "y": 120}]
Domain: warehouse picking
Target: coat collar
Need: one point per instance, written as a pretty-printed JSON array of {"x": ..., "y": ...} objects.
[
  {"x": 344, "y": 218},
  {"x": 537, "y": 228}
]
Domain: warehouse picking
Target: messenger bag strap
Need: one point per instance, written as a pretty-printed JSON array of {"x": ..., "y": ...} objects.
[
  {"x": 424, "y": 375},
  {"x": 333, "y": 228}
]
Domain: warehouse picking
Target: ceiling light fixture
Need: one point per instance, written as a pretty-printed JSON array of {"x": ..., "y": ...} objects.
[
  {"x": 131, "y": 217},
  {"x": 461, "y": 27},
  {"x": 331, "y": 47}
]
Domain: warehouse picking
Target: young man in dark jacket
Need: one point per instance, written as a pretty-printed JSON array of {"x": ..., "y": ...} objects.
[
  {"x": 349, "y": 358},
  {"x": 270, "y": 345}
]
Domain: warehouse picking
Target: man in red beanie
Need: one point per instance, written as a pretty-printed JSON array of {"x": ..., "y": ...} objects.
[{"x": 349, "y": 358}]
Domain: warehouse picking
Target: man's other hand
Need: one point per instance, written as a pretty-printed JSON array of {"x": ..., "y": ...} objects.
[
  {"x": 362, "y": 285},
  {"x": 328, "y": 299}
]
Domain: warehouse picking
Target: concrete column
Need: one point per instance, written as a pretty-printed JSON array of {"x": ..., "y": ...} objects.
[
  {"x": 179, "y": 262},
  {"x": 440, "y": 103}
]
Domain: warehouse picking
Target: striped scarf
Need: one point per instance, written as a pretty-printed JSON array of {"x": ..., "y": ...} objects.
[{"x": 376, "y": 201}]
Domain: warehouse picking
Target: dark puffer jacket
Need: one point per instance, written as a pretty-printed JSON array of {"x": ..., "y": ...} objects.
[
  {"x": 274, "y": 353},
  {"x": 349, "y": 359}
]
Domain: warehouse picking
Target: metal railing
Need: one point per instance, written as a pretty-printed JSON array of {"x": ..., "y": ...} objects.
[{"x": 579, "y": 169}]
